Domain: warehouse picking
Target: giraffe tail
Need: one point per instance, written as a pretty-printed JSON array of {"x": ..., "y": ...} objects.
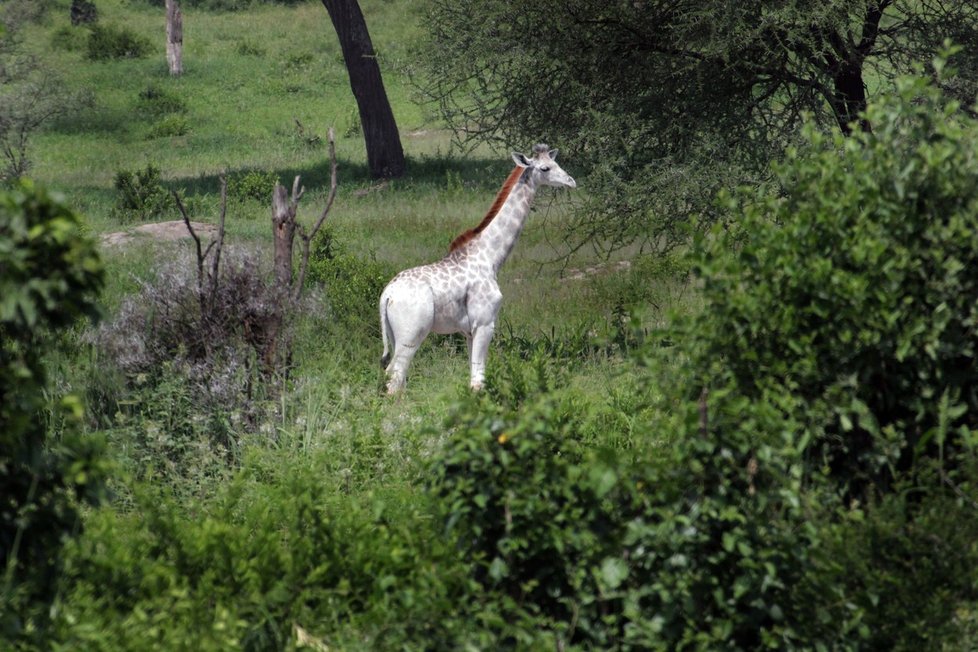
[{"x": 385, "y": 332}]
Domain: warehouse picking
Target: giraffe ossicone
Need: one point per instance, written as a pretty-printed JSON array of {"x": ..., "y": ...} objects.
[{"x": 459, "y": 293}]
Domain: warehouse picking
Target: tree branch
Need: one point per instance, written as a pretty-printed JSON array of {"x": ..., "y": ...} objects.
[
  {"x": 193, "y": 234},
  {"x": 220, "y": 236},
  {"x": 307, "y": 238}
]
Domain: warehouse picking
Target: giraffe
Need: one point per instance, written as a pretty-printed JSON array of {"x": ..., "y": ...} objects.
[{"x": 459, "y": 293}]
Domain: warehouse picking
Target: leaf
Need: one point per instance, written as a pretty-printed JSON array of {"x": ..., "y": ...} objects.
[
  {"x": 498, "y": 569},
  {"x": 614, "y": 571}
]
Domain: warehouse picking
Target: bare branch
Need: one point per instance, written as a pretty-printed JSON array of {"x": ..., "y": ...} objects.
[
  {"x": 297, "y": 191},
  {"x": 193, "y": 234},
  {"x": 220, "y": 235},
  {"x": 307, "y": 238}
]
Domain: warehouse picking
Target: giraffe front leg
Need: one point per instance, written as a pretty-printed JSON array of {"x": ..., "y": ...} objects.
[{"x": 478, "y": 352}]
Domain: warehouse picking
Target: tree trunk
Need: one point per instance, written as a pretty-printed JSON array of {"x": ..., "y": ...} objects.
[
  {"x": 283, "y": 230},
  {"x": 174, "y": 37},
  {"x": 849, "y": 101},
  {"x": 83, "y": 12},
  {"x": 384, "y": 154}
]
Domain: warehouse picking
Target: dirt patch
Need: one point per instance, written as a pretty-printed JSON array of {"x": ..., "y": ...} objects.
[
  {"x": 165, "y": 231},
  {"x": 581, "y": 274}
]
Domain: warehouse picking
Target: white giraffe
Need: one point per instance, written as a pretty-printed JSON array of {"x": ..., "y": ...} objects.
[{"x": 459, "y": 293}]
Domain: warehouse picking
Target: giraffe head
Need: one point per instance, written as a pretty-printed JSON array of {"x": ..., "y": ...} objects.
[{"x": 543, "y": 168}]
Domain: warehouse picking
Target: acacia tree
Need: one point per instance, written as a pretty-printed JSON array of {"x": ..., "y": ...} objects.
[
  {"x": 31, "y": 94},
  {"x": 385, "y": 157},
  {"x": 669, "y": 100}
]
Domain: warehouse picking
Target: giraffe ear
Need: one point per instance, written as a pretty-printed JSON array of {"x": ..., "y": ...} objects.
[
  {"x": 553, "y": 154},
  {"x": 521, "y": 160}
]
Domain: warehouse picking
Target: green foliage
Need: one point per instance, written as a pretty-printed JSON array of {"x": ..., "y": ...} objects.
[
  {"x": 353, "y": 283},
  {"x": 106, "y": 42},
  {"x": 242, "y": 570},
  {"x": 72, "y": 39},
  {"x": 49, "y": 278},
  {"x": 852, "y": 290},
  {"x": 141, "y": 195},
  {"x": 158, "y": 102},
  {"x": 250, "y": 49},
  {"x": 909, "y": 563},
  {"x": 253, "y": 185},
  {"x": 666, "y": 103},
  {"x": 708, "y": 542},
  {"x": 170, "y": 126}
]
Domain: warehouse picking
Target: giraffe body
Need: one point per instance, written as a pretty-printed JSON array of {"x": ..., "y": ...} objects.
[{"x": 459, "y": 293}]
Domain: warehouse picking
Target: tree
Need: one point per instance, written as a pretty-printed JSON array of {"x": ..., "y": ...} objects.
[
  {"x": 385, "y": 157},
  {"x": 384, "y": 154},
  {"x": 668, "y": 101},
  {"x": 174, "y": 37},
  {"x": 31, "y": 94},
  {"x": 50, "y": 276},
  {"x": 852, "y": 291}
]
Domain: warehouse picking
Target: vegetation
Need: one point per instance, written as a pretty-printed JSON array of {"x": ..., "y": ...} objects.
[
  {"x": 763, "y": 440},
  {"x": 671, "y": 101},
  {"x": 51, "y": 276}
]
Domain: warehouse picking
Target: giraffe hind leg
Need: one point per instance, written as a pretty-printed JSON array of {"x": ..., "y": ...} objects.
[{"x": 409, "y": 321}]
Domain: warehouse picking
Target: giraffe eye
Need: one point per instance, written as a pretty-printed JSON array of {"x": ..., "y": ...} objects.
[{"x": 545, "y": 168}]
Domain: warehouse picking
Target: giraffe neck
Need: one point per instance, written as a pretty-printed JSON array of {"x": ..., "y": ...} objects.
[{"x": 496, "y": 241}]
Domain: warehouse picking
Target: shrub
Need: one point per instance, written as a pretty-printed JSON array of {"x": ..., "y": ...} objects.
[
  {"x": 256, "y": 185},
  {"x": 70, "y": 39},
  {"x": 196, "y": 361},
  {"x": 853, "y": 290},
  {"x": 250, "y": 49},
  {"x": 243, "y": 570},
  {"x": 157, "y": 102},
  {"x": 141, "y": 195},
  {"x": 49, "y": 277},
  {"x": 353, "y": 285},
  {"x": 170, "y": 126},
  {"x": 107, "y": 42},
  {"x": 710, "y": 543}
]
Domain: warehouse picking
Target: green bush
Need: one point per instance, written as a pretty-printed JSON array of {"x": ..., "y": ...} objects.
[
  {"x": 242, "y": 570},
  {"x": 50, "y": 276},
  {"x": 170, "y": 126},
  {"x": 157, "y": 102},
  {"x": 256, "y": 185},
  {"x": 70, "y": 39},
  {"x": 141, "y": 195},
  {"x": 909, "y": 563},
  {"x": 107, "y": 42},
  {"x": 709, "y": 543},
  {"x": 853, "y": 290},
  {"x": 353, "y": 284}
]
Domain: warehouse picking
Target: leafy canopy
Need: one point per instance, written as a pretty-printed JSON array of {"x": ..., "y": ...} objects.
[{"x": 668, "y": 101}]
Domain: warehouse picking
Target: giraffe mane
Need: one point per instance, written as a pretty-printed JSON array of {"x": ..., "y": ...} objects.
[{"x": 497, "y": 204}]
